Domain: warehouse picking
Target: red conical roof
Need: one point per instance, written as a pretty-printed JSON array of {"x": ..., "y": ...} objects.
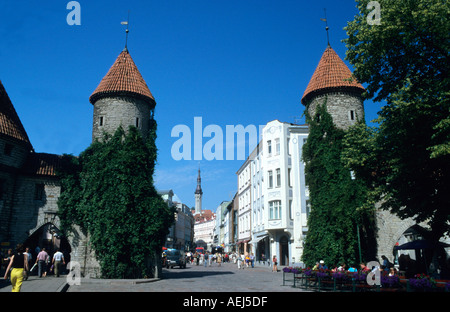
[
  {"x": 331, "y": 73},
  {"x": 122, "y": 78},
  {"x": 10, "y": 124}
]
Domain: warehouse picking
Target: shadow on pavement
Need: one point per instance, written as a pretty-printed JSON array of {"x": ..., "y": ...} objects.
[{"x": 187, "y": 273}]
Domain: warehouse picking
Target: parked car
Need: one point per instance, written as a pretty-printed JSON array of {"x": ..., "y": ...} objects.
[{"x": 175, "y": 257}]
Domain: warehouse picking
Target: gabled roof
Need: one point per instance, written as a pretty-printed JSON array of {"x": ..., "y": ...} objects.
[
  {"x": 331, "y": 74},
  {"x": 42, "y": 164},
  {"x": 123, "y": 78},
  {"x": 10, "y": 124}
]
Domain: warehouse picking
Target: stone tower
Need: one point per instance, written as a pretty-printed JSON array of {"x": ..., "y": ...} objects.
[
  {"x": 198, "y": 194},
  {"x": 334, "y": 81},
  {"x": 122, "y": 99}
]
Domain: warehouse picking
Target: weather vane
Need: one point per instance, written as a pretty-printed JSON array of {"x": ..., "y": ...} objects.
[
  {"x": 126, "y": 31},
  {"x": 326, "y": 25}
]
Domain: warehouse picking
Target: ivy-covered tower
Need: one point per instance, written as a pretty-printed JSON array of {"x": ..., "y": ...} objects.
[
  {"x": 122, "y": 99},
  {"x": 334, "y": 81},
  {"x": 337, "y": 231}
]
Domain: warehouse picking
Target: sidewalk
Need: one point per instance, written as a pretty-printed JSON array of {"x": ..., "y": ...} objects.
[
  {"x": 59, "y": 284},
  {"x": 36, "y": 284}
]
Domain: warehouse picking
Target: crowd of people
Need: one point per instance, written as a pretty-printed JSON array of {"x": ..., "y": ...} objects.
[
  {"x": 385, "y": 267},
  {"x": 18, "y": 264},
  {"x": 208, "y": 258}
]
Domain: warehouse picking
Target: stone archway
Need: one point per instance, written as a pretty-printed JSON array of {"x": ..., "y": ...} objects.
[{"x": 48, "y": 236}]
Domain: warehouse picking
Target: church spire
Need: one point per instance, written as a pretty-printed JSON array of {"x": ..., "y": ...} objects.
[
  {"x": 198, "y": 194},
  {"x": 198, "y": 190}
]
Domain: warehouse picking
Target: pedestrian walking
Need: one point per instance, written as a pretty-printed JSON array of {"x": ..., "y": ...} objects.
[
  {"x": 28, "y": 253},
  {"x": 241, "y": 259},
  {"x": 7, "y": 259},
  {"x": 252, "y": 260},
  {"x": 41, "y": 260},
  {"x": 19, "y": 266},
  {"x": 219, "y": 260},
  {"x": 58, "y": 257},
  {"x": 275, "y": 264},
  {"x": 205, "y": 259}
]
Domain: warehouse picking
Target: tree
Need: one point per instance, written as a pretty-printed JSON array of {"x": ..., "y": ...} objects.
[
  {"x": 405, "y": 62},
  {"x": 108, "y": 190},
  {"x": 335, "y": 198}
]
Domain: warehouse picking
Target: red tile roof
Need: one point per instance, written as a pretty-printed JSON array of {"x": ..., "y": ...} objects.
[
  {"x": 122, "y": 78},
  {"x": 42, "y": 164},
  {"x": 10, "y": 124},
  {"x": 331, "y": 73}
]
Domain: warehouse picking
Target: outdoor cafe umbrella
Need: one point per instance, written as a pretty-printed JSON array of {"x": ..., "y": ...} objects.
[{"x": 421, "y": 244}]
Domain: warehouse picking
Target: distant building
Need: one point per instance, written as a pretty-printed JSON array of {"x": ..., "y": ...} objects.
[
  {"x": 244, "y": 198},
  {"x": 181, "y": 233},
  {"x": 198, "y": 194},
  {"x": 204, "y": 225}
]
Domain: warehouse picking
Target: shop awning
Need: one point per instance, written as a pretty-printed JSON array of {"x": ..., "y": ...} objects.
[{"x": 257, "y": 239}]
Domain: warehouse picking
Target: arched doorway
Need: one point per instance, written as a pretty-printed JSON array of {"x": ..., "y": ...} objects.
[
  {"x": 48, "y": 236},
  {"x": 284, "y": 250},
  {"x": 415, "y": 254}
]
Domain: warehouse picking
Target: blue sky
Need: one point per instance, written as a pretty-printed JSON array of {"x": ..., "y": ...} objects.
[{"x": 229, "y": 62}]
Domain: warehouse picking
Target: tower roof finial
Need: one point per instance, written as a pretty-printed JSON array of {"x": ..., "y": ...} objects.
[
  {"x": 326, "y": 25},
  {"x": 126, "y": 31}
]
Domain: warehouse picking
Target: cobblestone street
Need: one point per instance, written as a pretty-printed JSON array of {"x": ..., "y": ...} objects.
[{"x": 226, "y": 278}]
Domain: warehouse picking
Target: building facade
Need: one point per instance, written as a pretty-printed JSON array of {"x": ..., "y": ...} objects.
[
  {"x": 244, "y": 198},
  {"x": 204, "y": 229},
  {"x": 300, "y": 194}
]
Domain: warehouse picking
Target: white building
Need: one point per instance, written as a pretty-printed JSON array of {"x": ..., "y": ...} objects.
[
  {"x": 278, "y": 196},
  {"x": 260, "y": 243},
  {"x": 278, "y": 221},
  {"x": 300, "y": 191},
  {"x": 244, "y": 198},
  {"x": 204, "y": 226}
]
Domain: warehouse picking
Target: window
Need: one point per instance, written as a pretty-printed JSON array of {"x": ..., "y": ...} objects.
[
  {"x": 270, "y": 179},
  {"x": 269, "y": 148},
  {"x": 100, "y": 121},
  {"x": 39, "y": 191},
  {"x": 291, "y": 216},
  {"x": 289, "y": 177},
  {"x": 278, "y": 177},
  {"x": 275, "y": 209},
  {"x": 8, "y": 149},
  {"x": 352, "y": 115},
  {"x": 277, "y": 146},
  {"x": 137, "y": 122},
  {"x": 288, "y": 147}
]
